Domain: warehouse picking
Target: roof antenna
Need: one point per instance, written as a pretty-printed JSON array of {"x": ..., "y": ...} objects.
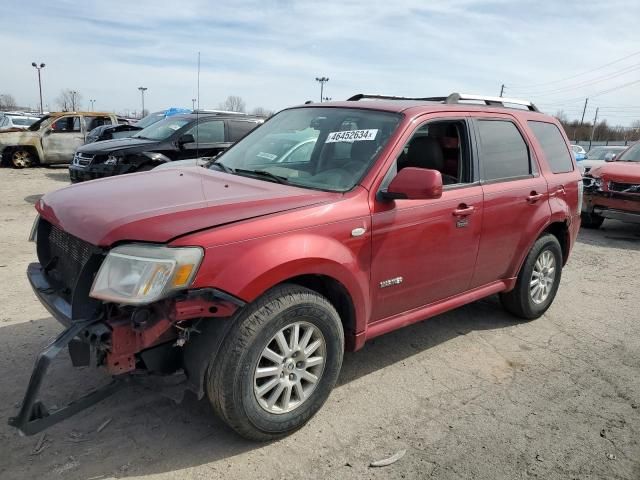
[{"x": 198, "y": 113}]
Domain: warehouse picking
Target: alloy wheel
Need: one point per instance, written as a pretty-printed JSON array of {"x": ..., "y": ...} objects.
[
  {"x": 21, "y": 159},
  {"x": 542, "y": 277},
  {"x": 289, "y": 367}
]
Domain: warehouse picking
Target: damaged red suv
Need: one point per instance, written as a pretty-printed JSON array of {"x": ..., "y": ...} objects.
[
  {"x": 329, "y": 225},
  {"x": 613, "y": 190}
]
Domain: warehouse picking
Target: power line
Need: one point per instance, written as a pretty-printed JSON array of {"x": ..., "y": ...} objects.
[
  {"x": 576, "y": 75},
  {"x": 590, "y": 82}
]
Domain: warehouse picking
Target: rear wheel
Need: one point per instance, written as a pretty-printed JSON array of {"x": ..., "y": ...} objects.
[
  {"x": 538, "y": 280},
  {"x": 22, "y": 158},
  {"x": 278, "y": 364},
  {"x": 591, "y": 220}
]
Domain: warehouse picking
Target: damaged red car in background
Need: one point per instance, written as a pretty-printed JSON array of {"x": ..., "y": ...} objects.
[{"x": 613, "y": 190}]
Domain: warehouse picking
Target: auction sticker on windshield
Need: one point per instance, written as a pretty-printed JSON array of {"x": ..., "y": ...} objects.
[{"x": 352, "y": 135}]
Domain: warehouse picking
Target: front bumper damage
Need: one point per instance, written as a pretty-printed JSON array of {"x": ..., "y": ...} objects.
[
  {"x": 131, "y": 344},
  {"x": 614, "y": 205}
]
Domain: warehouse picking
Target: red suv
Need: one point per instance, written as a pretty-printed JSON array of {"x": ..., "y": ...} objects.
[{"x": 327, "y": 226}]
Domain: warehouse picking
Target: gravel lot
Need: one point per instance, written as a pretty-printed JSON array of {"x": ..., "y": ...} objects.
[{"x": 469, "y": 394}]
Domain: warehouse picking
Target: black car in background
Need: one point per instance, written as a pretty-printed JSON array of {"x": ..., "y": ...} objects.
[{"x": 174, "y": 138}]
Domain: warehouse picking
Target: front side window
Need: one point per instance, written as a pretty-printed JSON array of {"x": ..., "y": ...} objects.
[
  {"x": 632, "y": 154},
  {"x": 553, "y": 145},
  {"x": 503, "y": 152},
  {"x": 208, "y": 132},
  {"x": 315, "y": 147},
  {"x": 437, "y": 145},
  {"x": 163, "y": 129},
  {"x": 66, "y": 125}
]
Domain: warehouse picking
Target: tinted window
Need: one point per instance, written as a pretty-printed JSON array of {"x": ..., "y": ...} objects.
[
  {"x": 237, "y": 129},
  {"x": 208, "y": 132},
  {"x": 553, "y": 146},
  {"x": 503, "y": 151},
  {"x": 92, "y": 122},
  {"x": 163, "y": 129}
]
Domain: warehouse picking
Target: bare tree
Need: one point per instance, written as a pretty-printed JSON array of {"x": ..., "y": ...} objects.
[
  {"x": 69, "y": 100},
  {"x": 7, "y": 101},
  {"x": 261, "y": 112},
  {"x": 233, "y": 103}
]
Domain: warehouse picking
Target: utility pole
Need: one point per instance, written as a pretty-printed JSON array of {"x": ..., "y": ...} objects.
[
  {"x": 322, "y": 81},
  {"x": 92, "y": 100},
  {"x": 39, "y": 67},
  {"x": 593, "y": 128},
  {"x": 502, "y": 89},
  {"x": 193, "y": 104},
  {"x": 142, "y": 90},
  {"x": 584, "y": 110},
  {"x": 73, "y": 100}
]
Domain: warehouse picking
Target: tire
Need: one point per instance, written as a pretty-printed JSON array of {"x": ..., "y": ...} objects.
[
  {"x": 22, "y": 158},
  {"x": 232, "y": 382},
  {"x": 591, "y": 220},
  {"x": 524, "y": 300}
]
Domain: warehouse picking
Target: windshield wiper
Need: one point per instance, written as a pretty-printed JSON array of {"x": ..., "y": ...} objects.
[
  {"x": 222, "y": 166},
  {"x": 263, "y": 173}
]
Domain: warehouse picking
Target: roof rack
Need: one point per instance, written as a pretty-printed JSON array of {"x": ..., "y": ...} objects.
[
  {"x": 455, "y": 98},
  {"x": 218, "y": 112}
]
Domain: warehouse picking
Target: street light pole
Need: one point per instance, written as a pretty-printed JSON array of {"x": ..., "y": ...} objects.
[
  {"x": 142, "y": 90},
  {"x": 322, "y": 81},
  {"x": 73, "y": 100},
  {"x": 39, "y": 67},
  {"x": 193, "y": 104},
  {"x": 92, "y": 102}
]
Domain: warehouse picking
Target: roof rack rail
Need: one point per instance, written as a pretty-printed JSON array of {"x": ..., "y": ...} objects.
[{"x": 456, "y": 98}]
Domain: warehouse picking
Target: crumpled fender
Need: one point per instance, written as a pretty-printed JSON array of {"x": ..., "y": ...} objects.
[{"x": 248, "y": 269}]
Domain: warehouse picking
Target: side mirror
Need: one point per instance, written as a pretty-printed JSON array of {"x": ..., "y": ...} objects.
[
  {"x": 186, "y": 138},
  {"x": 48, "y": 131},
  {"x": 413, "y": 183},
  {"x": 610, "y": 157}
]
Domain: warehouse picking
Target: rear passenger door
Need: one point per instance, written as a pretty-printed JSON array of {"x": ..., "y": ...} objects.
[{"x": 515, "y": 197}]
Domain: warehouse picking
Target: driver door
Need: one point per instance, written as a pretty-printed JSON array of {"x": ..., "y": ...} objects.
[
  {"x": 209, "y": 140},
  {"x": 62, "y": 138},
  {"x": 425, "y": 250}
]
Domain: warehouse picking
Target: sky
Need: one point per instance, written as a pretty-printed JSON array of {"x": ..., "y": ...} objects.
[{"x": 554, "y": 53}]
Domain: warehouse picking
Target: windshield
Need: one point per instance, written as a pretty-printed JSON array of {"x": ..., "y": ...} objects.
[
  {"x": 150, "y": 119},
  {"x": 321, "y": 148},
  {"x": 163, "y": 129},
  {"x": 600, "y": 153},
  {"x": 36, "y": 125},
  {"x": 632, "y": 154}
]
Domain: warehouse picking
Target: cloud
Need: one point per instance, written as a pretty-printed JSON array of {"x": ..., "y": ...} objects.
[{"x": 270, "y": 52}]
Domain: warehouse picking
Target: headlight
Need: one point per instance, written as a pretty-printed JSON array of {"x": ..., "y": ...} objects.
[
  {"x": 156, "y": 157},
  {"x": 112, "y": 160},
  {"x": 139, "y": 274}
]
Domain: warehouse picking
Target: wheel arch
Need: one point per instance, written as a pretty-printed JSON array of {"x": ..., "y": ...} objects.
[{"x": 8, "y": 151}]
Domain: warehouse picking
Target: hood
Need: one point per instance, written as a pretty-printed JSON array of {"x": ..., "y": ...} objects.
[
  {"x": 158, "y": 206},
  {"x": 13, "y": 129},
  {"x": 18, "y": 137},
  {"x": 624, "y": 172},
  {"x": 118, "y": 144}
]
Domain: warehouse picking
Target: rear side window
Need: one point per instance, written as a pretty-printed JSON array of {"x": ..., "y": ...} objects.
[
  {"x": 237, "y": 129},
  {"x": 553, "y": 145},
  {"x": 503, "y": 151}
]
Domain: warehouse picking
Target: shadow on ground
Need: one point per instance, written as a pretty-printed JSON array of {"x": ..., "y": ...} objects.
[
  {"x": 149, "y": 433},
  {"x": 612, "y": 234}
]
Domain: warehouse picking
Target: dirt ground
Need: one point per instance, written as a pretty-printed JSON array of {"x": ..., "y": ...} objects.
[{"x": 468, "y": 394}]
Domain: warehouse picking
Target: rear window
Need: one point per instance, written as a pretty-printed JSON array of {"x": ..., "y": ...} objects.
[
  {"x": 553, "y": 146},
  {"x": 503, "y": 151}
]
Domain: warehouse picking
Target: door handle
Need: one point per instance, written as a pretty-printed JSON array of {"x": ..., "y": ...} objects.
[
  {"x": 534, "y": 197},
  {"x": 463, "y": 210}
]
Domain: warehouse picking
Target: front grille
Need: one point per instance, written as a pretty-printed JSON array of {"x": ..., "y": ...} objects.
[
  {"x": 624, "y": 187},
  {"x": 63, "y": 256},
  {"x": 82, "y": 159}
]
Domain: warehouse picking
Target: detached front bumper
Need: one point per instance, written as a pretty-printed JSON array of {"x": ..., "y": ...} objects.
[{"x": 34, "y": 416}]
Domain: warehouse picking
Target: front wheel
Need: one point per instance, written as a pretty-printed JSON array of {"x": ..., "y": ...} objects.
[
  {"x": 278, "y": 364},
  {"x": 538, "y": 280},
  {"x": 21, "y": 158},
  {"x": 591, "y": 220}
]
